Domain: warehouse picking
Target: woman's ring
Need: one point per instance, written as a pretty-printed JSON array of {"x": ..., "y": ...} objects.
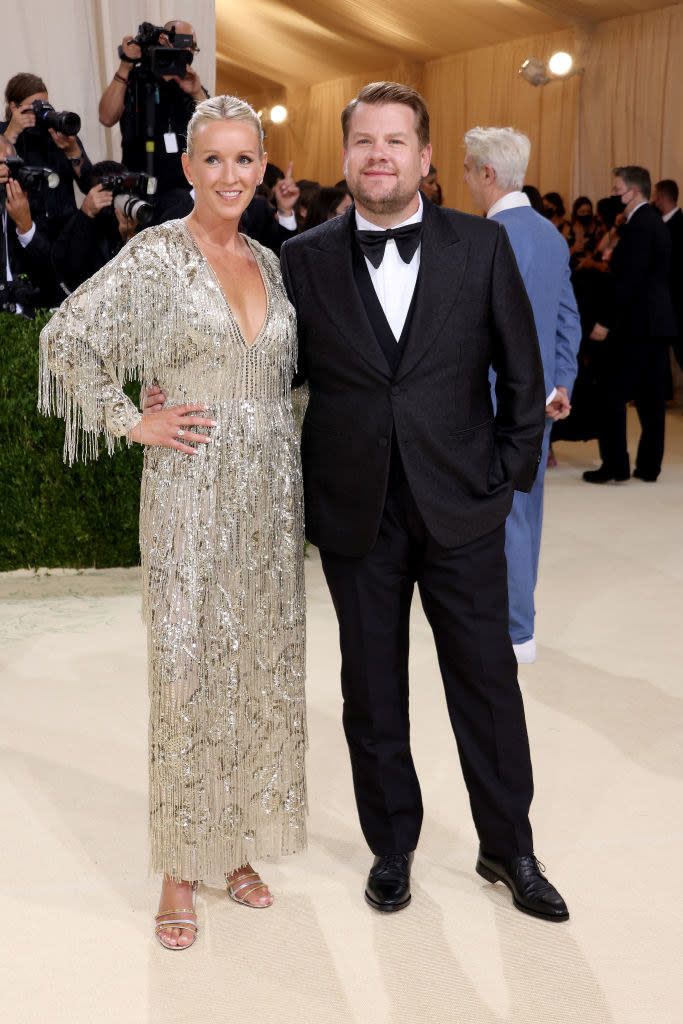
[{"x": 181, "y": 433}]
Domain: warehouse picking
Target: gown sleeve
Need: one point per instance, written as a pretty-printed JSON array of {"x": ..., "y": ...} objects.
[{"x": 94, "y": 343}]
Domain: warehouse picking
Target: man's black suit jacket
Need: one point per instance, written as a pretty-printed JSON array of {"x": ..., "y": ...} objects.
[
  {"x": 641, "y": 268},
  {"x": 470, "y": 311},
  {"x": 675, "y": 228}
]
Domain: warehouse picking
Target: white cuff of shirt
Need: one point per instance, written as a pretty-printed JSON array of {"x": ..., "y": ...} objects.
[
  {"x": 550, "y": 397},
  {"x": 287, "y": 220},
  {"x": 27, "y": 236}
]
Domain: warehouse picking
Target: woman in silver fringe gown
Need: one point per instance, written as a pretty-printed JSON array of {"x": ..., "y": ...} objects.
[{"x": 200, "y": 310}]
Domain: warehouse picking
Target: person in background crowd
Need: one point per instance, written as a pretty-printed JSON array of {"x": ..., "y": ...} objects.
[
  {"x": 38, "y": 145},
  {"x": 401, "y": 307},
  {"x": 553, "y": 209},
  {"x": 94, "y": 234},
  {"x": 326, "y": 204},
  {"x": 430, "y": 187},
  {"x": 307, "y": 190},
  {"x": 26, "y": 277},
  {"x": 594, "y": 290},
  {"x": 582, "y": 235},
  {"x": 534, "y": 197},
  {"x": 636, "y": 335},
  {"x": 665, "y": 199},
  {"x": 123, "y": 102},
  {"x": 496, "y": 160}
]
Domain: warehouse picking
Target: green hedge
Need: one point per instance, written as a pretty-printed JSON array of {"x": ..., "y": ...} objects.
[{"x": 50, "y": 514}]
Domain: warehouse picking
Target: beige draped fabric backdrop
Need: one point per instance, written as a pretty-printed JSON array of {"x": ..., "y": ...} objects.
[
  {"x": 73, "y": 45},
  {"x": 625, "y": 108}
]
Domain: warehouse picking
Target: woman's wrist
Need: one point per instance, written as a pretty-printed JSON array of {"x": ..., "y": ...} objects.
[{"x": 135, "y": 433}]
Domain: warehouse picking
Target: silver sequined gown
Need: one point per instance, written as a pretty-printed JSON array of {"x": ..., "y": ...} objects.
[{"x": 221, "y": 536}]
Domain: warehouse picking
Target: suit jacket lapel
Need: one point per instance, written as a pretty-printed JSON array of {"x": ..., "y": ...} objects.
[
  {"x": 443, "y": 259},
  {"x": 338, "y": 295}
]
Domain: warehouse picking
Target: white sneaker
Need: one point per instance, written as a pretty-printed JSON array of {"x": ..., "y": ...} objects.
[{"x": 525, "y": 653}]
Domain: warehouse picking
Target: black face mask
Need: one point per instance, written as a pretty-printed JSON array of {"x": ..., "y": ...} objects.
[
  {"x": 586, "y": 219},
  {"x": 549, "y": 212}
]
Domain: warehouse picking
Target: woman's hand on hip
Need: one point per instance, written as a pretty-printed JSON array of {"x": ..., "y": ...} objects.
[{"x": 169, "y": 428}]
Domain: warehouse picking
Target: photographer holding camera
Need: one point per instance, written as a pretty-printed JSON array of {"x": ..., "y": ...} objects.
[
  {"x": 43, "y": 137},
  {"x": 153, "y": 95},
  {"x": 109, "y": 216},
  {"x": 27, "y": 280}
]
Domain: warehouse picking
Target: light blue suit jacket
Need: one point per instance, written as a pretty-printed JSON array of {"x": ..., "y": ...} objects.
[{"x": 542, "y": 256}]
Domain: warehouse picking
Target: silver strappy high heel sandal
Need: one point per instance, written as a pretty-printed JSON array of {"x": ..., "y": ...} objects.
[
  {"x": 243, "y": 884},
  {"x": 184, "y": 923}
]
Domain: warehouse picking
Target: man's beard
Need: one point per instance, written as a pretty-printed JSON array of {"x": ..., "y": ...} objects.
[{"x": 393, "y": 202}]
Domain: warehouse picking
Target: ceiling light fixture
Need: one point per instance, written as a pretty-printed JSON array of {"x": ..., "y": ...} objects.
[
  {"x": 278, "y": 114},
  {"x": 560, "y": 64},
  {"x": 538, "y": 72}
]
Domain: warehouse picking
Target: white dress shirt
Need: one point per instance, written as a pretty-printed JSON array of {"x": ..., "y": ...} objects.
[
  {"x": 393, "y": 280},
  {"x": 666, "y": 217}
]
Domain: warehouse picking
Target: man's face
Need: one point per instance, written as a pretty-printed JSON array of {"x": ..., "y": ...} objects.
[
  {"x": 475, "y": 181},
  {"x": 624, "y": 192},
  {"x": 383, "y": 162}
]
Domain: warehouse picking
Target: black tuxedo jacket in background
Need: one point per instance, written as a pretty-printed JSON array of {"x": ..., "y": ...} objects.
[
  {"x": 641, "y": 265},
  {"x": 675, "y": 229},
  {"x": 470, "y": 310}
]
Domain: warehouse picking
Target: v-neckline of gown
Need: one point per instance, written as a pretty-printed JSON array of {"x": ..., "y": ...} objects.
[{"x": 247, "y": 344}]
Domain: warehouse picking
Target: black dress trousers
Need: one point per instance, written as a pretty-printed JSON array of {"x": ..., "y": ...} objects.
[{"x": 464, "y": 595}]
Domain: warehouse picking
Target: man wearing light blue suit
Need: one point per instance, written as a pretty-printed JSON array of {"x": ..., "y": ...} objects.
[{"x": 495, "y": 164}]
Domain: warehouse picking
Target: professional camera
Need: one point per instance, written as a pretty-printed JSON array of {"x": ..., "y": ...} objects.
[
  {"x": 163, "y": 60},
  {"x": 127, "y": 189},
  {"x": 30, "y": 178},
  {"x": 19, "y": 292},
  {"x": 65, "y": 121}
]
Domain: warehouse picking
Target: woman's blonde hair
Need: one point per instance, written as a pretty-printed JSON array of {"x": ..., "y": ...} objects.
[{"x": 220, "y": 108}]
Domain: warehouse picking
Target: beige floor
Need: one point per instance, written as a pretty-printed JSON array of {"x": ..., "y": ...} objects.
[{"x": 604, "y": 712}]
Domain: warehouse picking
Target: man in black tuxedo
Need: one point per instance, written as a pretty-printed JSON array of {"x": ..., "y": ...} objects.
[
  {"x": 638, "y": 335},
  {"x": 408, "y": 480},
  {"x": 665, "y": 200}
]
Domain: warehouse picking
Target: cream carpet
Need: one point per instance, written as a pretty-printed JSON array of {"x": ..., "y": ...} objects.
[{"x": 603, "y": 703}]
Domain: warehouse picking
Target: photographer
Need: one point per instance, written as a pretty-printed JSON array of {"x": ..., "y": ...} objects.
[
  {"x": 27, "y": 280},
  {"x": 106, "y": 220},
  {"x": 126, "y": 99},
  {"x": 37, "y": 143}
]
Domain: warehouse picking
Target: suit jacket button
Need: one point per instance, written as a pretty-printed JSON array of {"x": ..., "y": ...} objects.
[
  {"x": 383, "y": 442},
  {"x": 396, "y": 389}
]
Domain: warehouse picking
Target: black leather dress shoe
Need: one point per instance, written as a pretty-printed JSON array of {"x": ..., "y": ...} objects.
[
  {"x": 647, "y": 477},
  {"x": 532, "y": 892},
  {"x": 603, "y": 476},
  {"x": 388, "y": 886}
]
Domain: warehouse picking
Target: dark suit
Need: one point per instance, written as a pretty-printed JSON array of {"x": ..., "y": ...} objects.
[
  {"x": 408, "y": 479},
  {"x": 675, "y": 228},
  {"x": 641, "y": 324}
]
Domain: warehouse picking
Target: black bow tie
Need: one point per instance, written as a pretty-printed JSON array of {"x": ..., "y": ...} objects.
[{"x": 373, "y": 243}]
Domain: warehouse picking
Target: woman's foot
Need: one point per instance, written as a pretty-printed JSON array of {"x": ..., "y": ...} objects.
[
  {"x": 245, "y": 886},
  {"x": 176, "y": 904}
]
